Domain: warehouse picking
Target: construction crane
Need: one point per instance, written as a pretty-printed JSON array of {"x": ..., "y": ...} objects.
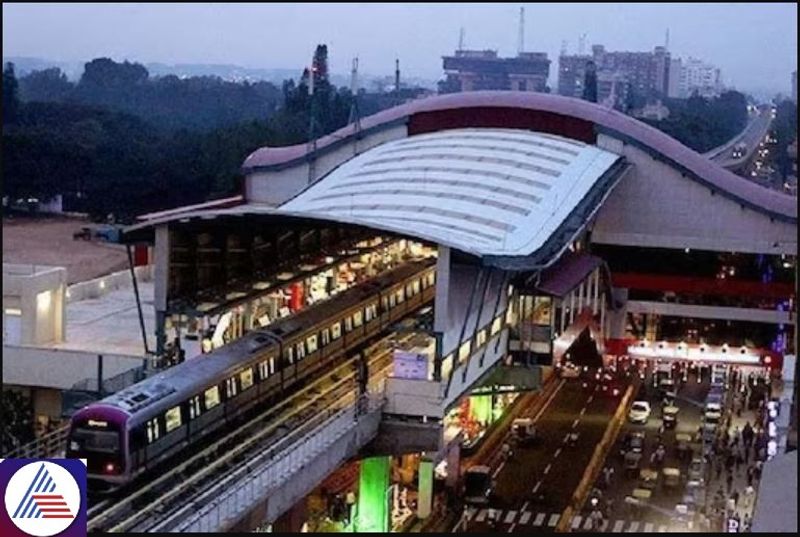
[{"x": 521, "y": 35}]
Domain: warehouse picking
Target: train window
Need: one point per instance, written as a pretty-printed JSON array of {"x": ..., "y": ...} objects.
[
  {"x": 289, "y": 354},
  {"x": 431, "y": 277},
  {"x": 358, "y": 318},
  {"x": 246, "y": 378},
  {"x": 272, "y": 365},
  {"x": 311, "y": 343},
  {"x": 385, "y": 303},
  {"x": 463, "y": 351},
  {"x": 409, "y": 290},
  {"x": 392, "y": 300},
  {"x": 400, "y": 296},
  {"x": 230, "y": 387},
  {"x": 509, "y": 315},
  {"x": 415, "y": 286},
  {"x": 172, "y": 418},
  {"x": 263, "y": 369},
  {"x": 301, "y": 351},
  {"x": 348, "y": 324},
  {"x": 368, "y": 314},
  {"x": 152, "y": 430},
  {"x": 326, "y": 336},
  {"x": 212, "y": 397},
  {"x": 496, "y": 325},
  {"x": 480, "y": 339},
  {"x": 194, "y": 407},
  {"x": 336, "y": 331}
]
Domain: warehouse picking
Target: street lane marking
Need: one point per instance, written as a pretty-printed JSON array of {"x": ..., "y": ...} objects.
[
  {"x": 549, "y": 400},
  {"x": 526, "y": 516},
  {"x": 547, "y": 469},
  {"x": 575, "y": 423},
  {"x": 604, "y": 525},
  {"x": 481, "y": 516},
  {"x": 539, "y": 519},
  {"x": 525, "y": 505},
  {"x": 588, "y": 524},
  {"x": 553, "y": 520},
  {"x": 589, "y": 400},
  {"x": 576, "y": 522},
  {"x": 618, "y": 526},
  {"x": 510, "y": 517},
  {"x": 539, "y": 484},
  {"x": 583, "y": 411},
  {"x": 497, "y": 471},
  {"x": 557, "y": 453},
  {"x": 648, "y": 528},
  {"x": 566, "y": 438},
  {"x": 662, "y": 528},
  {"x": 634, "y": 527}
]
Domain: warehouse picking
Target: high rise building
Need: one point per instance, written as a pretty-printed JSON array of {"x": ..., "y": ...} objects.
[
  {"x": 646, "y": 74},
  {"x": 699, "y": 77},
  {"x": 472, "y": 70},
  {"x": 674, "y": 86}
]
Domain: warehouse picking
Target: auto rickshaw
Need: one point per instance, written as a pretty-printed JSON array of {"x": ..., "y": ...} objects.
[
  {"x": 631, "y": 463},
  {"x": 523, "y": 431},
  {"x": 670, "y": 417},
  {"x": 648, "y": 478},
  {"x": 672, "y": 477}
]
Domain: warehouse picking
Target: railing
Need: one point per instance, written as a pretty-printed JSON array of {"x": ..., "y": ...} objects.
[
  {"x": 257, "y": 478},
  {"x": 47, "y": 445}
]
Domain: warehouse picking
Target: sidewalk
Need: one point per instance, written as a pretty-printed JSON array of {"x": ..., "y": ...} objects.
[{"x": 720, "y": 511}]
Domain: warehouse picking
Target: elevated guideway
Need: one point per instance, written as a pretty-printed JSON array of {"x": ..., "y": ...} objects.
[{"x": 751, "y": 136}]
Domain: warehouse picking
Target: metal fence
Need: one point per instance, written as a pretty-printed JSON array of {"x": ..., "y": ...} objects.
[
  {"x": 51, "y": 444},
  {"x": 256, "y": 479}
]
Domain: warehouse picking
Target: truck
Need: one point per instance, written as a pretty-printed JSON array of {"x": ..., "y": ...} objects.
[{"x": 478, "y": 487}]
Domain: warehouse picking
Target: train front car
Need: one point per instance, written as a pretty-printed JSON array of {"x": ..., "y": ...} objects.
[{"x": 98, "y": 433}]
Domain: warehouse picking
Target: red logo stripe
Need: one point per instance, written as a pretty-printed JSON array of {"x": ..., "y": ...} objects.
[
  {"x": 47, "y": 496},
  {"x": 57, "y": 516}
]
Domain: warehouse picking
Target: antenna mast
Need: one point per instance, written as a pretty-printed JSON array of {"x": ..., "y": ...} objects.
[
  {"x": 397, "y": 80},
  {"x": 355, "y": 115},
  {"x": 311, "y": 146},
  {"x": 461, "y": 39},
  {"x": 666, "y": 40},
  {"x": 521, "y": 36}
]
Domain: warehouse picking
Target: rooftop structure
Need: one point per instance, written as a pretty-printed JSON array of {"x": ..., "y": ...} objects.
[{"x": 473, "y": 70}]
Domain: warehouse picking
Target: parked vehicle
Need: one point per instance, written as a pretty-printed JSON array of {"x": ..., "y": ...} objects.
[
  {"x": 639, "y": 412},
  {"x": 670, "y": 417},
  {"x": 478, "y": 487},
  {"x": 524, "y": 431}
]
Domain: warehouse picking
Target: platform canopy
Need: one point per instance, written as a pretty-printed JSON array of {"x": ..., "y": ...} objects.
[{"x": 487, "y": 192}]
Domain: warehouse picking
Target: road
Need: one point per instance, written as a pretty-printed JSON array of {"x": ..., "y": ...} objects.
[
  {"x": 661, "y": 516},
  {"x": 755, "y": 132},
  {"x": 535, "y": 485}
]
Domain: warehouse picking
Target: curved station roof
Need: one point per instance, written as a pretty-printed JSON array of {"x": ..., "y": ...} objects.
[{"x": 489, "y": 192}]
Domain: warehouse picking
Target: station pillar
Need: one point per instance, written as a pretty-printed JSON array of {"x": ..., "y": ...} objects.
[
  {"x": 292, "y": 520},
  {"x": 425, "y": 487},
  {"x": 373, "y": 495}
]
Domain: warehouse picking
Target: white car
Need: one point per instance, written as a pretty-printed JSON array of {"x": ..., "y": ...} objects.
[
  {"x": 569, "y": 371},
  {"x": 639, "y": 412},
  {"x": 713, "y": 409}
]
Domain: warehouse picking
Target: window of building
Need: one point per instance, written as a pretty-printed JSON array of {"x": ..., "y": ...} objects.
[
  {"x": 496, "y": 325},
  {"x": 480, "y": 339},
  {"x": 271, "y": 365},
  {"x": 311, "y": 343},
  {"x": 336, "y": 331},
  {"x": 447, "y": 366},
  {"x": 172, "y": 418},
  {"x": 463, "y": 351},
  {"x": 409, "y": 290},
  {"x": 246, "y": 378},
  {"x": 392, "y": 300},
  {"x": 510, "y": 315},
  {"x": 194, "y": 407},
  {"x": 431, "y": 277},
  {"x": 152, "y": 430},
  {"x": 212, "y": 397}
]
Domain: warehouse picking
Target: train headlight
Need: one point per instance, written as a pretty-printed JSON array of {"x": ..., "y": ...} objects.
[{"x": 110, "y": 468}]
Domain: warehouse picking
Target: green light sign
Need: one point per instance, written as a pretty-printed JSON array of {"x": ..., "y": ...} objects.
[{"x": 373, "y": 496}]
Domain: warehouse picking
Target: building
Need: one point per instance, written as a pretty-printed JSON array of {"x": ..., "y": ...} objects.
[
  {"x": 472, "y": 70},
  {"x": 699, "y": 77},
  {"x": 620, "y": 75},
  {"x": 674, "y": 85}
]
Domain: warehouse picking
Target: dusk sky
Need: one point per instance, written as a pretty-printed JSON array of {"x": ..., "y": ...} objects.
[{"x": 755, "y": 45}]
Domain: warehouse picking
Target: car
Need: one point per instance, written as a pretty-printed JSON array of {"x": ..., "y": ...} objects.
[
  {"x": 639, "y": 412},
  {"x": 697, "y": 470},
  {"x": 524, "y": 431},
  {"x": 713, "y": 408},
  {"x": 670, "y": 417},
  {"x": 636, "y": 442},
  {"x": 478, "y": 486},
  {"x": 609, "y": 385}
]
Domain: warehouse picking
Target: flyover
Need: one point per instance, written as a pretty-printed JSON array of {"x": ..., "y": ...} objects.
[{"x": 751, "y": 136}]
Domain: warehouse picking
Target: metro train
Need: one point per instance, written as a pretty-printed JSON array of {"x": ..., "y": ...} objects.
[{"x": 133, "y": 430}]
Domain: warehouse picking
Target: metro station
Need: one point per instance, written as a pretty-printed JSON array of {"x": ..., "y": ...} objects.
[{"x": 417, "y": 274}]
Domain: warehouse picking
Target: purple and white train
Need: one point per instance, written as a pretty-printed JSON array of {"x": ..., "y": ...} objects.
[{"x": 135, "y": 429}]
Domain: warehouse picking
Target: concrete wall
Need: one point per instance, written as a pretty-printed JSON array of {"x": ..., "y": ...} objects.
[
  {"x": 60, "y": 369},
  {"x": 275, "y": 187},
  {"x": 99, "y": 287},
  {"x": 656, "y": 206},
  {"x": 39, "y": 293},
  {"x": 710, "y": 312}
]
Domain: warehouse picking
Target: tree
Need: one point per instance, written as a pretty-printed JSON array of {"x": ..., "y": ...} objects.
[
  {"x": 45, "y": 86},
  {"x": 10, "y": 94}
]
